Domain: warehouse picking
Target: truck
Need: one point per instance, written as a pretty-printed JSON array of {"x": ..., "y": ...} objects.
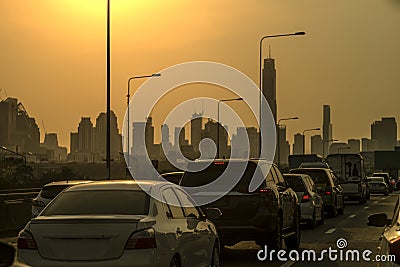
[
  {"x": 296, "y": 160},
  {"x": 350, "y": 171}
]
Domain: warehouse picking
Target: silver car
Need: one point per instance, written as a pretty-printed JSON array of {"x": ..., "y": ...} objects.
[
  {"x": 116, "y": 223},
  {"x": 389, "y": 248},
  {"x": 311, "y": 203},
  {"x": 50, "y": 191},
  {"x": 378, "y": 185}
]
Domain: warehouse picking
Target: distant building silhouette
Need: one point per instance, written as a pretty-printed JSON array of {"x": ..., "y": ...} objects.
[
  {"x": 355, "y": 146},
  {"x": 52, "y": 150},
  {"x": 284, "y": 146},
  {"x": 269, "y": 84},
  {"x": 19, "y": 131},
  {"x": 316, "y": 145},
  {"x": 238, "y": 142},
  {"x": 384, "y": 134},
  {"x": 88, "y": 144},
  {"x": 367, "y": 145},
  {"x": 196, "y": 127},
  {"x": 298, "y": 144}
]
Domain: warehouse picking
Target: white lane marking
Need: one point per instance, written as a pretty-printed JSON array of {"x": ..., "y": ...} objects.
[
  {"x": 330, "y": 231},
  {"x": 366, "y": 208},
  {"x": 288, "y": 264},
  {"x": 352, "y": 216},
  {"x": 376, "y": 201},
  {"x": 383, "y": 198}
]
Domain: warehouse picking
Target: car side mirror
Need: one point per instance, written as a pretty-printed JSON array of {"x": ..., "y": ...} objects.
[
  {"x": 7, "y": 254},
  {"x": 378, "y": 220},
  {"x": 213, "y": 213}
]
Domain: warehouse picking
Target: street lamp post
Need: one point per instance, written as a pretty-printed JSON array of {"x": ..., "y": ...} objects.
[
  {"x": 108, "y": 143},
  {"x": 218, "y": 124},
  {"x": 16, "y": 153},
  {"x": 128, "y": 98},
  {"x": 342, "y": 147},
  {"x": 304, "y": 141},
  {"x": 323, "y": 146},
  {"x": 260, "y": 61},
  {"x": 278, "y": 137}
]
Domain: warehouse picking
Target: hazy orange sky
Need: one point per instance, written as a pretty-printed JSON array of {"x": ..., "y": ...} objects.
[{"x": 53, "y": 55}]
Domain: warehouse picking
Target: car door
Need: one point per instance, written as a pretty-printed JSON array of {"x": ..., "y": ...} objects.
[
  {"x": 338, "y": 190},
  {"x": 203, "y": 242},
  {"x": 185, "y": 238},
  {"x": 286, "y": 197}
]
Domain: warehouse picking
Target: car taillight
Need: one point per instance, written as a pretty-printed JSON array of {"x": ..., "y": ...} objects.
[
  {"x": 394, "y": 248},
  {"x": 328, "y": 193},
  {"x": 264, "y": 190},
  {"x": 141, "y": 240},
  {"x": 306, "y": 198},
  {"x": 26, "y": 241},
  {"x": 38, "y": 203}
]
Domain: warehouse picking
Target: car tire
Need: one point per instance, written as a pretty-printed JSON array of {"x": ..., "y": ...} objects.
[
  {"x": 276, "y": 240},
  {"x": 215, "y": 257},
  {"x": 341, "y": 210},
  {"x": 322, "y": 220},
  {"x": 175, "y": 262},
  {"x": 293, "y": 242},
  {"x": 313, "y": 222},
  {"x": 332, "y": 211}
]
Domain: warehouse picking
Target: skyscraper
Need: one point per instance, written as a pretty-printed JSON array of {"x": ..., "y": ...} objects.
[
  {"x": 269, "y": 84},
  {"x": 326, "y": 128},
  {"x": 298, "y": 144},
  {"x": 316, "y": 144},
  {"x": 195, "y": 130},
  {"x": 384, "y": 134}
]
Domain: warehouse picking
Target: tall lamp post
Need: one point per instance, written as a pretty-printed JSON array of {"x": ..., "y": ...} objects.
[
  {"x": 13, "y": 152},
  {"x": 278, "y": 139},
  {"x": 128, "y": 96},
  {"x": 261, "y": 87},
  {"x": 304, "y": 141},
  {"x": 108, "y": 143},
  {"x": 218, "y": 125},
  {"x": 323, "y": 146}
]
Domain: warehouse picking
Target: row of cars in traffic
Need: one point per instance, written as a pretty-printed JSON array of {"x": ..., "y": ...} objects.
[{"x": 115, "y": 223}]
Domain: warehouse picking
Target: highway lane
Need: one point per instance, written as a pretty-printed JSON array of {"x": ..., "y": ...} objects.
[{"x": 351, "y": 226}]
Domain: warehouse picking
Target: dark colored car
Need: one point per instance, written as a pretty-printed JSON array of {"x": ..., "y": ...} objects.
[
  {"x": 389, "y": 240},
  {"x": 327, "y": 183},
  {"x": 377, "y": 185},
  {"x": 267, "y": 215},
  {"x": 311, "y": 204}
]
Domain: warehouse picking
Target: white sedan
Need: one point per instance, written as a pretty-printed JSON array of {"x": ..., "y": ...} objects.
[{"x": 115, "y": 223}]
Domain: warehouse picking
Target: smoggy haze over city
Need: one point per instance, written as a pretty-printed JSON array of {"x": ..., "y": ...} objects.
[{"x": 53, "y": 56}]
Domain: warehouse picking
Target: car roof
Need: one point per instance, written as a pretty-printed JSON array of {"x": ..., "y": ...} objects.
[
  {"x": 296, "y": 175},
  {"x": 68, "y": 182},
  {"x": 311, "y": 169},
  {"x": 118, "y": 185},
  {"x": 235, "y": 160}
]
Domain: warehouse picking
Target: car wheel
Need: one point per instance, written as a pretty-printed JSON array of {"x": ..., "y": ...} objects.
[
  {"x": 341, "y": 210},
  {"x": 293, "y": 241},
  {"x": 313, "y": 222},
  {"x": 276, "y": 241},
  {"x": 321, "y": 221},
  {"x": 332, "y": 211},
  {"x": 215, "y": 257},
  {"x": 175, "y": 262}
]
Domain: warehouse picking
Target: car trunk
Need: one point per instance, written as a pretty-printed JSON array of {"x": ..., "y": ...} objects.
[
  {"x": 350, "y": 188},
  {"x": 83, "y": 237}
]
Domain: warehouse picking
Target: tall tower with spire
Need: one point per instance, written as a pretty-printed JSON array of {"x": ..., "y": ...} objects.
[{"x": 269, "y": 83}]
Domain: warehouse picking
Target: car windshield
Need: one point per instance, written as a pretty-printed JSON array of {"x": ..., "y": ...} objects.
[
  {"x": 100, "y": 202},
  {"x": 51, "y": 191},
  {"x": 215, "y": 170},
  {"x": 296, "y": 184},
  {"x": 319, "y": 176}
]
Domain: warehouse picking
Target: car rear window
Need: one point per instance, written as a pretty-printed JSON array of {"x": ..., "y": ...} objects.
[
  {"x": 51, "y": 191},
  {"x": 100, "y": 202},
  {"x": 215, "y": 170},
  {"x": 318, "y": 176},
  {"x": 296, "y": 184}
]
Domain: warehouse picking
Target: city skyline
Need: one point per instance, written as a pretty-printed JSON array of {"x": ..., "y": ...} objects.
[{"x": 65, "y": 60}]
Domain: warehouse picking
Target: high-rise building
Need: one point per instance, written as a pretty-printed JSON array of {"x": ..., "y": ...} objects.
[
  {"x": 284, "y": 147},
  {"x": 53, "y": 151},
  {"x": 354, "y": 145},
  {"x": 326, "y": 128},
  {"x": 384, "y": 133},
  {"x": 316, "y": 144},
  {"x": 298, "y": 144},
  {"x": 196, "y": 126},
  {"x": 85, "y": 135},
  {"x": 269, "y": 84},
  {"x": 367, "y": 145}
]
